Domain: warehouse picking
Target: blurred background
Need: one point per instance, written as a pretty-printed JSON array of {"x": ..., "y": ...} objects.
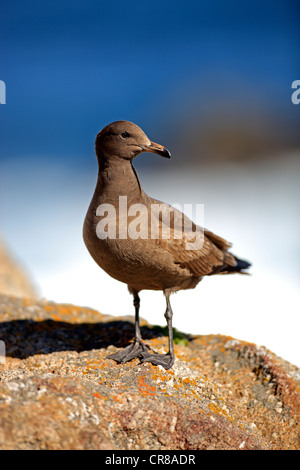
[{"x": 209, "y": 80}]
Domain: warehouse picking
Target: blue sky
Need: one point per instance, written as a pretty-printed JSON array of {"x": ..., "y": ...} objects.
[{"x": 71, "y": 67}]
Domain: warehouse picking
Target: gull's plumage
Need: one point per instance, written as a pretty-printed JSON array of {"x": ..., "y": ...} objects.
[{"x": 148, "y": 263}]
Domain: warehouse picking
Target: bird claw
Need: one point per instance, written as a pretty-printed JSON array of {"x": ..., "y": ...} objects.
[
  {"x": 164, "y": 360},
  {"x": 139, "y": 349},
  {"x": 136, "y": 349}
]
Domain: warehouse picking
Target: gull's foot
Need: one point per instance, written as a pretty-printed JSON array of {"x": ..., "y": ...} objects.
[
  {"x": 165, "y": 360},
  {"x": 136, "y": 349}
]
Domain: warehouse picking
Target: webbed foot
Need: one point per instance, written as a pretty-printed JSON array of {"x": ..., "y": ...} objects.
[
  {"x": 164, "y": 360},
  {"x": 135, "y": 349}
]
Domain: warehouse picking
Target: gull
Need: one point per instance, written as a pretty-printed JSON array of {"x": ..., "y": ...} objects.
[{"x": 143, "y": 242}]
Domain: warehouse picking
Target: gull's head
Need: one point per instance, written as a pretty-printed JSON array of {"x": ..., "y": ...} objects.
[{"x": 126, "y": 140}]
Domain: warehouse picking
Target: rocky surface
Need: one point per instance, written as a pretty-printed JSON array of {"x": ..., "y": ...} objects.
[
  {"x": 14, "y": 279},
  {"x": 58, "y": 390}
]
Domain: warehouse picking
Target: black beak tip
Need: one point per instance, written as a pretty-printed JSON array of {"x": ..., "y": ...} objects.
[{"x": 167, "y": 154}]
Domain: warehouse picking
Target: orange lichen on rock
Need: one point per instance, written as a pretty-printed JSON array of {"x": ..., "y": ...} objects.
[
  {"x": 144, "y": 388},
  {"x": 58, "y": 389}
]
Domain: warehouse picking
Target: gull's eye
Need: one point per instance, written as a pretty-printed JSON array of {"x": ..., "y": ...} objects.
[{"x": 125, "y": 135}]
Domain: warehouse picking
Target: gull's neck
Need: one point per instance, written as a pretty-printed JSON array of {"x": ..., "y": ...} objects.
[{"x": 117, "y": 177}]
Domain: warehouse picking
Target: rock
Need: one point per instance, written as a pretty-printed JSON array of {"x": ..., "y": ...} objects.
[
  {"x": 58, "y": 390},
  {"x": 13, "y": 278}
]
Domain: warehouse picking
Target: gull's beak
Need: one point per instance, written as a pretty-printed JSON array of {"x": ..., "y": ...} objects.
[{"x": 157, "y": 148}]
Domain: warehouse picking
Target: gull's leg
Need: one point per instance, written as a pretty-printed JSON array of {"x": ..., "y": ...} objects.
[
  {"x": 136, "y": 348},
  {"x": 165, "y": 360}
]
